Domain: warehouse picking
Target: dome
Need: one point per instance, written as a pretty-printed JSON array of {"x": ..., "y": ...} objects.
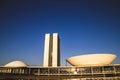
[
  {"x": 91, "y": 59},
  {"x": 16, "y": 64}
]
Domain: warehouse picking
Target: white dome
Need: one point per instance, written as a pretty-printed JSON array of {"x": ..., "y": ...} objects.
[
  {"x": 16, "y": 64},
  {"x": 91, "y": 59}
]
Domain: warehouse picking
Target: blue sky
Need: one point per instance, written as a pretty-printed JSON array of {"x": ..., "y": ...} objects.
[{"x": 84, "y": 26}]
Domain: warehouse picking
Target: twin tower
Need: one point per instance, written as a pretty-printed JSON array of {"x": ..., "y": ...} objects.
[{"x": 51, "y": 50}]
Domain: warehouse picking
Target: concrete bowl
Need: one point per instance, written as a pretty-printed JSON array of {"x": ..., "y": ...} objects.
[{"x": 91, "y": 59}]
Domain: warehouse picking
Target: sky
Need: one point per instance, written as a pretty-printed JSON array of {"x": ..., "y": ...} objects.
[{"x": 84, "y": 27}]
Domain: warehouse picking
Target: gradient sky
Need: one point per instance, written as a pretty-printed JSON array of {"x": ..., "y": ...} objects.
[{"x": 84, "y": 26}]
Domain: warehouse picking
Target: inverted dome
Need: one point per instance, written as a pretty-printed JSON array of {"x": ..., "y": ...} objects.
[
  {"x": 16, "y": 64},
  {"x": 91, "y": 59}
]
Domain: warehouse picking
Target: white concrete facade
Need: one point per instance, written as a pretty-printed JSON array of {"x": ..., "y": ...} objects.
[
  {"x": 51, "y": 50},
  {"x": 55, "y": 53},
  {"x": 46, "y": 50}
]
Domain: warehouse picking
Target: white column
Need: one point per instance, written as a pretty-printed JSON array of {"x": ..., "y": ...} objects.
[
  {"x": 55, "y": 50},
  {"x": 46, "y": 50}
]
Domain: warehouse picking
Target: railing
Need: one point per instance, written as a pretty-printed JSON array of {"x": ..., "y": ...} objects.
[{"x": 110, "y": 70}]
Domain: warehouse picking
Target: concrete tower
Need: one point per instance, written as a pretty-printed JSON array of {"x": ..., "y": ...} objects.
[{"x": 51, "y": 50}]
